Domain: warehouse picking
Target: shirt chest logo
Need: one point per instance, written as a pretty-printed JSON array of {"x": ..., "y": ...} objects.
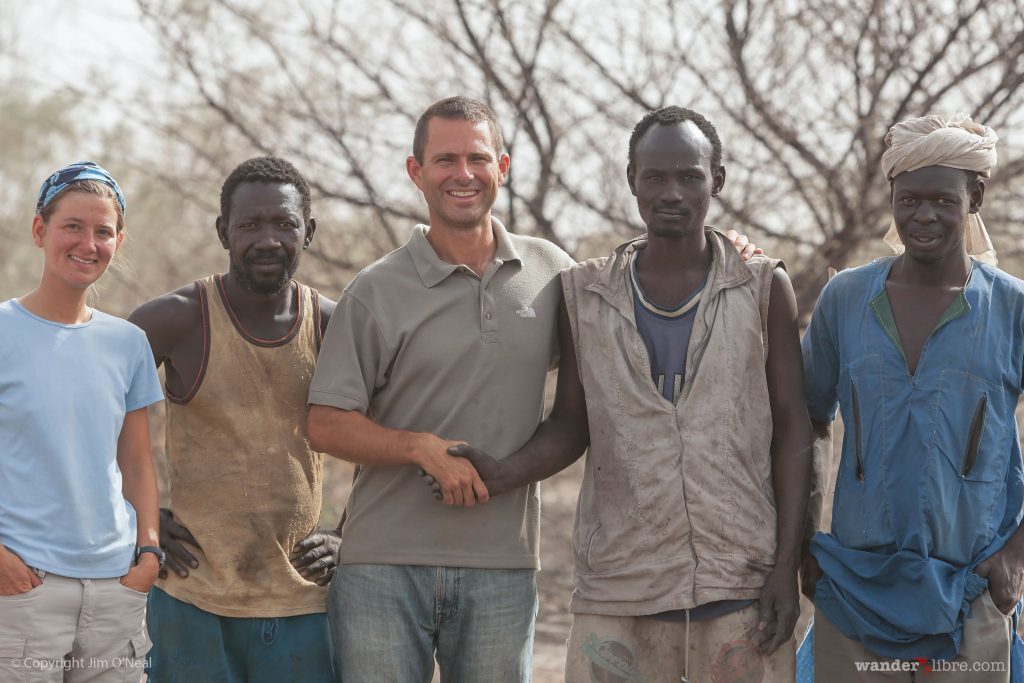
[{"x": 526, "y": 312}]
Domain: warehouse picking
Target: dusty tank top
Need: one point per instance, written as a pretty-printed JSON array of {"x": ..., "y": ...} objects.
[{"x": 243, "y": 478}]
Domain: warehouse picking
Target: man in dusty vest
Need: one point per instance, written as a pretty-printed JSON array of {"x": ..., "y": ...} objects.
[
  {"x": 245, "y": 597},
  {"x": 923, "y": 353},
  {"x": 680, "y": 367}
]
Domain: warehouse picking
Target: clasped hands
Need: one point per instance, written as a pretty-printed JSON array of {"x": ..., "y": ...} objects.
[{"x": 459, "y": 474}]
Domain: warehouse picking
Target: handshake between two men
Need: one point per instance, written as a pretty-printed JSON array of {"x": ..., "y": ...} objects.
[{"x": 469, "y": 477}]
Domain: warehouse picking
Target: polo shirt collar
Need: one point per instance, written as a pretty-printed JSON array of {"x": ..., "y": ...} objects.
[
  {"x": 432, "y": 270},
  {"x": 506, "y": 251}
]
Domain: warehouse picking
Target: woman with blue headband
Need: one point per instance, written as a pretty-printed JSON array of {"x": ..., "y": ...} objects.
[{"x": 78, "y": 495}]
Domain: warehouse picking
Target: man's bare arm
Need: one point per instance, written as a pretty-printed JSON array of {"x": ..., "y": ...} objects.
[
  {"x": 791, "y": 463},
  {"x": 168, "y": 320},
  {"x": 351, "y": 436}
]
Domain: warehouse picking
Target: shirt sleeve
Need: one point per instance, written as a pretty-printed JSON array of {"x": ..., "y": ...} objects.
[
  {"x": 144, "y": 388},
  {"x": 353, "y": 359},
  {"x": 821, "y": 359}
]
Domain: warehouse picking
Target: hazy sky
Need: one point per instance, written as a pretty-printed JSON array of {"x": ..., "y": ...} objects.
[{"x": 59, "y": 42}]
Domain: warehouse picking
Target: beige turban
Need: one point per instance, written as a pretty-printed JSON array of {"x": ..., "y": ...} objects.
[{"x": 933, "y": 141}]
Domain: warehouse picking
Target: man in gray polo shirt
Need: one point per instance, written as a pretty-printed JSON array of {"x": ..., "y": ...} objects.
[{"x": 445, "y": 340}]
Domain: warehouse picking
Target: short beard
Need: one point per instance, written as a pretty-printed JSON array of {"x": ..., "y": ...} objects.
[{"x": 273, "y": 287}]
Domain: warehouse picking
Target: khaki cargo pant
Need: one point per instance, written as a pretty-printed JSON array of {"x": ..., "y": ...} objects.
[
  {"x": 606, "y": 649},
  {"x": 73, "y": 630},
  {"x": 984, "y": 653}
]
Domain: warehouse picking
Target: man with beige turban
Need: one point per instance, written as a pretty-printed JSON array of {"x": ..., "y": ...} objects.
[{"x": 923, "y": 353}]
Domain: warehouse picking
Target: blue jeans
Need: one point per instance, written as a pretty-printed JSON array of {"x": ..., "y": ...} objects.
[
  {"x": 191, "y": 645},
  {"x": 387, "y": 622}
]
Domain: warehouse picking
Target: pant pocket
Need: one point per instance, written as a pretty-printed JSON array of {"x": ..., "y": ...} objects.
[
  {"x": 991, "y": 603},
  {"x": 30, "y": 593},
  {"x": 132, "y": 591},
  {"x": 12, "y": 659},
  {"x": 133, "y": 663}
]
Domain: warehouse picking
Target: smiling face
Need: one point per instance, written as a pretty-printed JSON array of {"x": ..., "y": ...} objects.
[
  {"x": 265, "y": 235},
  {"x": 672, "y": 179},
  {"x": 930, "y": 208},
  {"x": 460, "y": 174},
  {"x": 79, "y": 238}
]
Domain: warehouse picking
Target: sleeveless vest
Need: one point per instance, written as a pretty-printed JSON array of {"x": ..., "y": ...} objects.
[{"x": 676, "y": 506}]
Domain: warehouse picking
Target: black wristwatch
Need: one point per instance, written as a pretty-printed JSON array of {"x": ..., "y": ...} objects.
[{"x": 156, "y": 550}]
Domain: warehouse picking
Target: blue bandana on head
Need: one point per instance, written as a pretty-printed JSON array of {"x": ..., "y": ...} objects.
[{"x": 75, "y": 173}]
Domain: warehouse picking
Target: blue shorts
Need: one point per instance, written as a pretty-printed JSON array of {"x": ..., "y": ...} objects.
[{"x": 191, "y": 645}]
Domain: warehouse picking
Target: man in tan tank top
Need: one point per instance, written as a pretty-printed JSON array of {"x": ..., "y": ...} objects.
[{"x": 245, "y": 597}]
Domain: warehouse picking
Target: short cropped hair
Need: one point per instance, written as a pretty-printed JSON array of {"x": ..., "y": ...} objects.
[
  {"x": 668, "y": 116},
  {"x": 456, "y": 109},
  {"x": 265, "y": 170}
]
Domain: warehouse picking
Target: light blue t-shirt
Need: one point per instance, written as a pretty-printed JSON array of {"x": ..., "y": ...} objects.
[{"x": 64, "y": 393}]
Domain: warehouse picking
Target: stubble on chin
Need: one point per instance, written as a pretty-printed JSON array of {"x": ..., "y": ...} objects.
[
  {"x": 275, "y": 286},
  {"x": 674, "y": 231}
]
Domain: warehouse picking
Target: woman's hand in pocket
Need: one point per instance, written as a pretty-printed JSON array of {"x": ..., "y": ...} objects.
[
  {"x": 140, "y": 577},
  {"x": 15, "y": 576}
]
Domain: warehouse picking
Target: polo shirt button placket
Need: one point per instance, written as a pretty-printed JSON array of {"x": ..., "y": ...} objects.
[{"x": 489, "y": 325}]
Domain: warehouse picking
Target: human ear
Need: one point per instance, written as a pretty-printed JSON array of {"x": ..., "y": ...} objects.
[
  {"x": 38, "y": 227},
  {"x": 504, "y": 163},
  {"x": 310, "y": 229},
  {"x": 977, "y": 194},
  {"x": 222, "y": 231},
  {"x": 415, "y": 171},
  {"x": 718, "y": 181}
]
